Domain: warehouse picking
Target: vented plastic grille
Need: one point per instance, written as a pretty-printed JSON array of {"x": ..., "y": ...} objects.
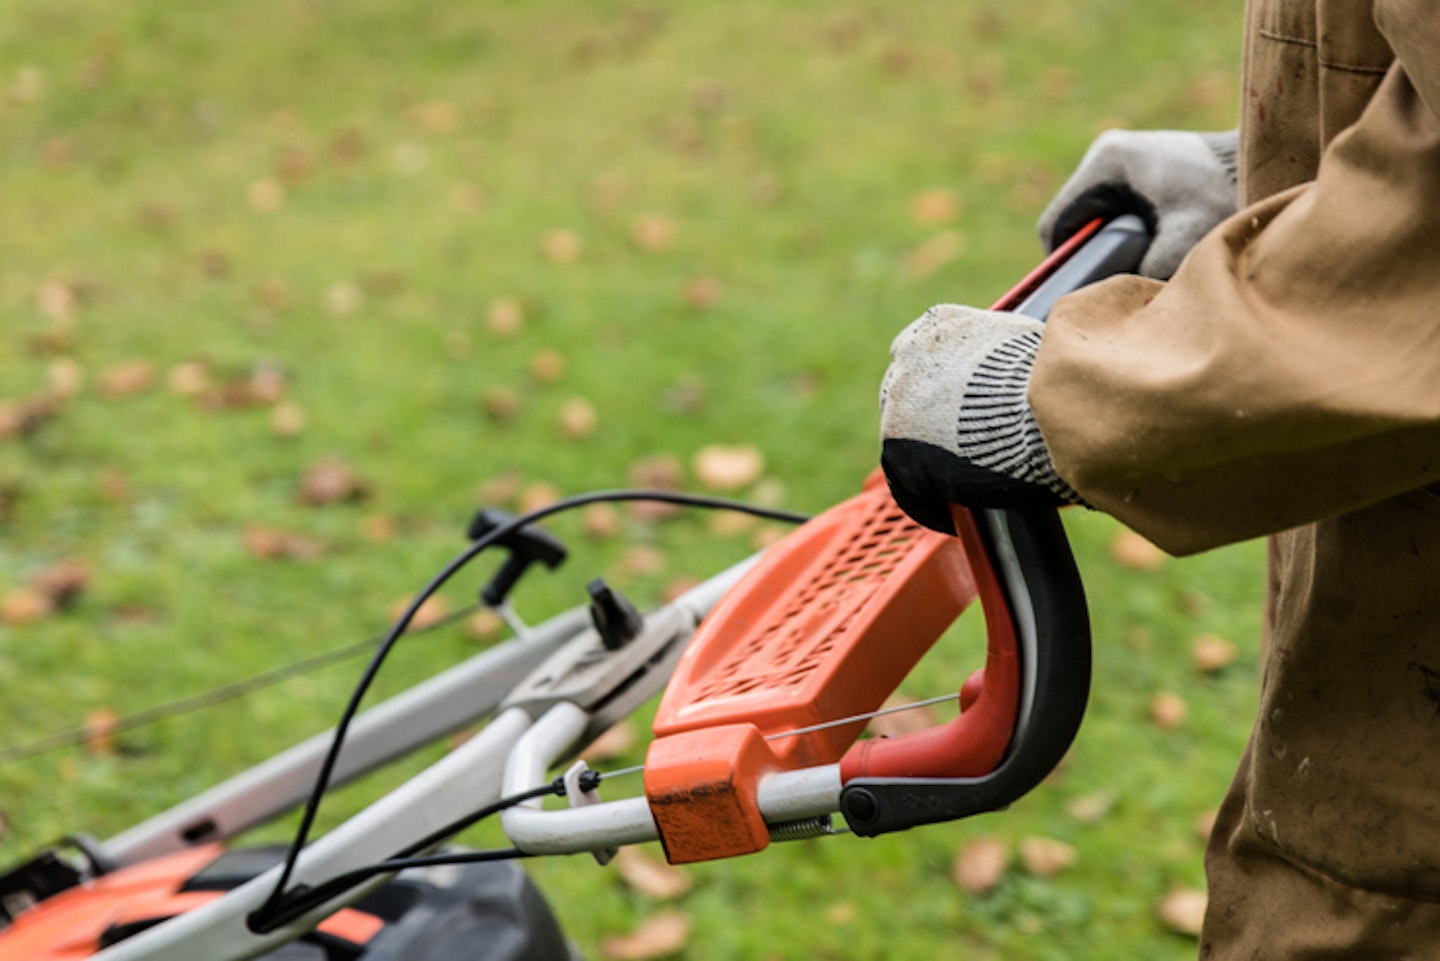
[{"x": 792, "y": 648}]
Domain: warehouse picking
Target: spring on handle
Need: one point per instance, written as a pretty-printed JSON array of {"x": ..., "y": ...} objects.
[{"x": 800, "y": 830}]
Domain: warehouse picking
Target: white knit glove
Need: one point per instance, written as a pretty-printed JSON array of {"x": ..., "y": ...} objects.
[
  {"x": 955, "y": 425},
  {"x": 1181, "y": 184}
]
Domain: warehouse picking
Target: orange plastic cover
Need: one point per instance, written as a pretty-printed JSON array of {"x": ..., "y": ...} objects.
[
  {"x": 69, "y": 925},
  {"x": 825, "y": 626}
]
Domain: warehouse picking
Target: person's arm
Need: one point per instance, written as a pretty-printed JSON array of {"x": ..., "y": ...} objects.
[{"x": 1291, "y": 368}]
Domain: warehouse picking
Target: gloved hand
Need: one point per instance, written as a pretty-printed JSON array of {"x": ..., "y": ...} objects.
[
  {"x": 955, "y": 424},
  {"x": 1181, "y": 184}
]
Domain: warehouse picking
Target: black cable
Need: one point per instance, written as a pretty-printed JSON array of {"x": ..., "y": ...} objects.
[
  {"x": 278, "y": 912},
  {"x": 322, "y": 779},
  {"x": 214, "y": 696}
]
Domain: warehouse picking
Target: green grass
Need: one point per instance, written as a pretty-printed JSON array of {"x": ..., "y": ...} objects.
[{"x": 421, "y": 155}]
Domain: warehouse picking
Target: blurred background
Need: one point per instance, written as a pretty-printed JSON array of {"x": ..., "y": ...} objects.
[{"x": 290, "y": 287}]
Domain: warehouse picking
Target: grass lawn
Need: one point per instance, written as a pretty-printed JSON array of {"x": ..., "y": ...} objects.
[{"x": 290, "y": 288}]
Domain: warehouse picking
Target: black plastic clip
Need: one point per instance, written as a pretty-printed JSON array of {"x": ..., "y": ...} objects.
[{"x": 526, "y": 545}]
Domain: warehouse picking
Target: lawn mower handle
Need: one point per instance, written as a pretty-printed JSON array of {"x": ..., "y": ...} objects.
[{"x": 1034, "y": 592}]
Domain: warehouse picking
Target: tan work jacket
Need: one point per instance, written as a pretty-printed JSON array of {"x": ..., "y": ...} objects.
[{"x": 1286, "y": 382}]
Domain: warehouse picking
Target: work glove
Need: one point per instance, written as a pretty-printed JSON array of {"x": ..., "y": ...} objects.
[
  {"x": 955, "y": 425},
  {"x": 1181, "y": 184}
]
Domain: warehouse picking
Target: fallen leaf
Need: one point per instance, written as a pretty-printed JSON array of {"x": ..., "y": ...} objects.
[
  {"x": 659, "y": 936},
  {"x": 100, "y": 725},
  {"x": 614, "y": 743},
  {"x": 1129, "y": 549},
  {"x": 841, "y": 912},
  {"x": 678, "y": 587},
  {"x": 548, "y": 366},
  {"x": 730, "y": 523},
  {"x": 663, "y": 473},
  {"x": 1168, "y": 710},
  {"x": 22, "y": 606},
  {"x": 501, "y": 490},
  {"x": 127, "y": 379},
  {"x": 536, "y": 495},
  {"x": 902, "y": 722},
  {"x": 58, "y": 301},
  {"x": 62, "y": 583},
  {"x": 287, "y": 420},
  {"x": 980, "y": 865},
  {"x": 1205, "y": 824},
  {"x": 562, "y": 246},
  {"x": 431, "y": 611},
  {"x": 578, "y": 419},
  {"x": 1211, "y": 653},
  {"x": 702, "y": 293},
  {"x": 934, "y": 208},
  {"x": 505, "y": 317},
  {"x": 642, "y": 559},
  {"x": 378, "y": 528},
  {"x": 485, "y": 626},
  {"x": 653, "y": 234},
  {"x": 650, "y": 876},
  {"x": 22, "y": 418},
  {"x": 1046, "y": 857},
  {"x": 767, "y": 535},
  {"x": 189, "y": 379},
  {"x": 933, "y": 254},
  {"x": 343, "y": 298},
  {"x": 269, "y": 543},
  {"x": 600, "y": 521},
  {"x": 721, "y": 467},
  {"x": 435, "y": 118},
  {"x": 1183, "y": 911},
  {"x": 265, "y": 195},
  {"x": 1091, "y": 808},
  {"x": 66, "y": 377},
  {"x": 331, "y": 481},
  {"x": 500, "y": 403}
]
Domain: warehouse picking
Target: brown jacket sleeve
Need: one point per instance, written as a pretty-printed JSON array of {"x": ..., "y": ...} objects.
[{"x": 1291, "y": 369}]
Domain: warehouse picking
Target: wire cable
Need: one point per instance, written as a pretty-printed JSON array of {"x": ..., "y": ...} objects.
[
  {"x": 215, "y": 696},
  {"x": 491, "y": 537}
]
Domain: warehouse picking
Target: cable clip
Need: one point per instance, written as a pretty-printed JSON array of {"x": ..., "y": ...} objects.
[{"x": 578, "y": 794}]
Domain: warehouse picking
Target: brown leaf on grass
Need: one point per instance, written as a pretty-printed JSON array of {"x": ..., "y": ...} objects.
[
  {"x": 980, "y": 865},
  {"x": 501, "y": 404},
  {"x": 23, "y": 418},
  {"x": 502, "y": 490},
  {"x": 653, "y": 234},
  {"x": 127, "y": 379},
  {"x": 434, "y": 118},
  {"x": 935, "y": 207},
  {"x": 650, "y": 876},
  {"x": 331, "y": 481},
  {"x": 1046, "y": 857},
  {"x": 485, "y": 626},
  {"x": 902, "y": 722},
  {"x": 1183, "y": 911},
  {"x": 678, "y": 587},
  {"x": 1129, "y": 549},
  {"x": 548, "y": 366},
  {"x": 505, "y": 317},
  {"x": 536, "y": 495},
  {"x": 189, "y": 379},
  {"x": 661, "y": 472},
  {"x": 58, "y": 301},
  {"x": 287, "y": 420},
  {"x": 726, "y": 468},
  {"x": 659, "y": 936},
  {"x": 930, "y": 256},
  {"x": 66, "y": 377},
  {"x": 730, "y": 523},
  {"x": 642, "y": 559},
  {"x": 612, "y": 744},
  {"x": 1091, "y": 808},
  {"x": 578, "y": 419},
  {"x": 1211, "y": 653},
  {"x": 600, "y": 521},
  {"x": 378, "y": 528},
  {"x": 1168, "y": 710},
  {"x": 343, "y": 298},
  {"x": 562, "y": 246},
  {"x": 1205, "y": 824},
  {"x": 702, "y": 293},
  {"x": 100, "y": 725},
  {"x": 261, "y": 387},
  {"x": 265, "y": 195},
  {"x": 431, "y": 611},
  {"x": 61, "y": 583},
  {"x": 22, "y": 606},
  {"x": 269, "y": 543}
]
